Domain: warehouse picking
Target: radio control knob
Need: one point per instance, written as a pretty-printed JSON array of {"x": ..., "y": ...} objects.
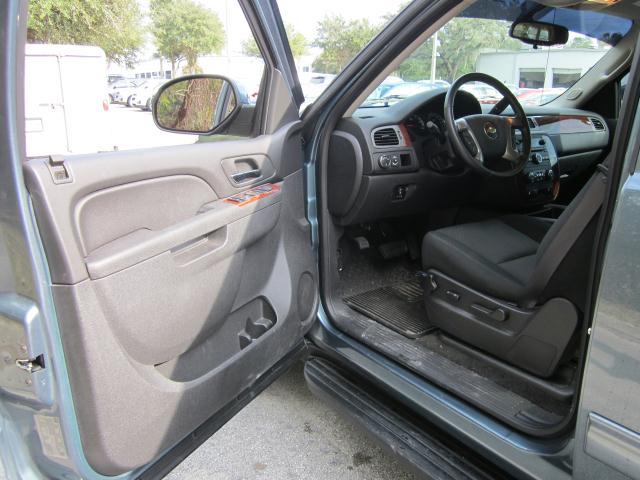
[
  {"x": 550, "y": 174},
  {"x": 536, "y": 158}
]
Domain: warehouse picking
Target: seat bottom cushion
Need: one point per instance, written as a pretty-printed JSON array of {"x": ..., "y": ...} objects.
[{"x": 496, "y": 256}]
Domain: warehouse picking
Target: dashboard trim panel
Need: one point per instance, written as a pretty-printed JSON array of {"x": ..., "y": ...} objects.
[{"x": 565, "y": 124}]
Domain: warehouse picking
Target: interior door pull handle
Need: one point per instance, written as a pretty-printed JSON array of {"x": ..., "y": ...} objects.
[{"x": 242, "y": 176}]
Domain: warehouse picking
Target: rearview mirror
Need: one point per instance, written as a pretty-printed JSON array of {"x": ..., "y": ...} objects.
[
  {"x": 539, "y": 33},
  {"x": 197, "y": 104}
]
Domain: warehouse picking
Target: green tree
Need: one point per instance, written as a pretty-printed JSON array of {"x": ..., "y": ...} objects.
[
  {"x": 297, "y": 42},
  {"x": 250, "y": 48},
  {"x": 460, "y": 42},
  {"x": 580, "y": 42},
  {"x": 462, "y": 39},
  {"x": 340, "y": 41},
  {"x": 418, "y": 65},
  {"x": 113, "y": 25},
  {"x": 184, "y": 30}
]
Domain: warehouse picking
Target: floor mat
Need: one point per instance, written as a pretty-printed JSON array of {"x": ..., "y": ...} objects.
[{"x": 398, "y": 307}]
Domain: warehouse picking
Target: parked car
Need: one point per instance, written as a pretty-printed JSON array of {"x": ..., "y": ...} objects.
[
  {"x": 387, "y": 84},
  {"x": 435, "y": 83},
  {"x": 142, "y": 96},
  {"x": 405, "y": 90},
  {"x": 539, "y": 96},
  {"x": 464, "y": 285},
  {"x": 484, "y": 93},
  {"x": 122, "y": 91},
  {"x": 313, "y": 84},
  {"x": 115, "y": 77}
]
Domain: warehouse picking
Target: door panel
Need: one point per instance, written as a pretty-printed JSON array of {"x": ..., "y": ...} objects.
[{"x": 171, "y": 297}]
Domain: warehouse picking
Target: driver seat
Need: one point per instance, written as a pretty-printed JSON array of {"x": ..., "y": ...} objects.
[{"x": 514, "y": 286}]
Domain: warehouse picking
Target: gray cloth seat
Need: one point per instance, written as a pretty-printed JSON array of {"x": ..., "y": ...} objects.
[
  {"x": 496, "y": 256},
  {"x": 519, "y": 258},
  {"x": 514, "y": 286}
]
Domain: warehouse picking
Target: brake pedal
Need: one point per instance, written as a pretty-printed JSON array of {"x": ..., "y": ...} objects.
[{"x": 362, "y": 242}]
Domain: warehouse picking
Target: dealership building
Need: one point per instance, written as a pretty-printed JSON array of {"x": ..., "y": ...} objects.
[{"x": 541, "y": 68}]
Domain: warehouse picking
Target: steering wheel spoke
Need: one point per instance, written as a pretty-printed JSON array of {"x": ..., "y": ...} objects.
[
  {"x": 469, "y": 139},
  {"x": 511, "y": 153},
  {"x": 514, "y": 122}
]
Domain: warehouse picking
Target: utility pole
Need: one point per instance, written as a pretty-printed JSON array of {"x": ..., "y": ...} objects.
[{"x": 434, "y": 56}]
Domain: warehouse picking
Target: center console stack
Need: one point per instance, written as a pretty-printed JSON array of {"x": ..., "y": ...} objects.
[{"x": 539, "y": 181}]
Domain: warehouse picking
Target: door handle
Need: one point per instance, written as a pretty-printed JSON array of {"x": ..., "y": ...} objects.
[{"x": 242, "y": 176}]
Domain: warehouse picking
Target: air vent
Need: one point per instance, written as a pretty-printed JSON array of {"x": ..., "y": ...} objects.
[
  {"x": 531, "y": 123},
  {"x": 385, "y": 137},
  {"x": 597, "y": 123}
]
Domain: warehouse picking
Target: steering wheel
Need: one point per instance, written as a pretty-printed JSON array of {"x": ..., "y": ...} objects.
[{"x": 487, "y": 141}]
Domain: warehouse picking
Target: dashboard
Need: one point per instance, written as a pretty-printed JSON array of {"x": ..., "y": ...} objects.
[{"x": 395, "y": 160}]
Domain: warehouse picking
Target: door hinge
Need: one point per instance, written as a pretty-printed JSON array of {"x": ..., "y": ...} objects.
[
  {"x": 31, "y": 364},
  {"x": 23, "y": 350},
  {"x": 60, "y": 172}
]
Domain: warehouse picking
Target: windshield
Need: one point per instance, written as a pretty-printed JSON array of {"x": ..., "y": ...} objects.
[{"x": 478, "y": 41}]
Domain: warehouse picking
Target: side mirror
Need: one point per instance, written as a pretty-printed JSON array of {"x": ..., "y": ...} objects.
[
  {"x": 539, "y": 33},
  {"x": 196, "y": 104}
]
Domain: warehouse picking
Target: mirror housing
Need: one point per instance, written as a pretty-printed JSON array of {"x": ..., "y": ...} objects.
[
  {"x": 539, "y": 33},
  {"x": 200, "y": 104}
]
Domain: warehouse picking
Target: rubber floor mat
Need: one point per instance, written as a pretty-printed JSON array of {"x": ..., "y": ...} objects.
[{"x": 399, "y": 307}]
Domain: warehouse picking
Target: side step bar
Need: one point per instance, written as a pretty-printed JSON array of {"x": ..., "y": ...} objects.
[{"x": 429, "y": 452}]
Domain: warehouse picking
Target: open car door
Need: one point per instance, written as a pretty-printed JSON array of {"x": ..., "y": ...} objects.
[{"x": 154, "y": 304}]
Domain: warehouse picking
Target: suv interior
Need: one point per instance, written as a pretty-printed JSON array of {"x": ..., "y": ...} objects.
[{"x": 466, "y": 256}]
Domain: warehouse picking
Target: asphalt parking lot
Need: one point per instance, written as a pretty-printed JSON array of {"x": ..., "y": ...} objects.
[
  {"x": 287, "y": 433},
  {"x": 130, "y": 128}
]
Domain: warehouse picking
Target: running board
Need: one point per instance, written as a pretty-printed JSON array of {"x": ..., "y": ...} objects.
[
  {"x": 504, "y": 404},
  {"x": 422, "y": 450}
]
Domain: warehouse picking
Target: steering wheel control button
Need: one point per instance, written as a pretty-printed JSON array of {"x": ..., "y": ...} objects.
[{"x": 469, "y": 143}]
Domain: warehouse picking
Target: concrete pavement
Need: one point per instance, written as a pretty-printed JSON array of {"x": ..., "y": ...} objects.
[{"x": 287, "y": 433}]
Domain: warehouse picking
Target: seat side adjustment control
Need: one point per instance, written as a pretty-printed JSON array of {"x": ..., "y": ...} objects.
[{"x": 499, "y": 314}]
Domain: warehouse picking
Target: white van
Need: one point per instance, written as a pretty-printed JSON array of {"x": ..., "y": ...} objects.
[{"x": 67, "y": 112}]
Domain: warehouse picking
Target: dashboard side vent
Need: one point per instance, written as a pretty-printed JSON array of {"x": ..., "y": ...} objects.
[
  {"x": 597, "y": 123},
  {"x": 531, "y": 123},
  {"x": 385, "y": 137}
]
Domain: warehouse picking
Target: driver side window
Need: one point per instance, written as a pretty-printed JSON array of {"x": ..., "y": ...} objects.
[{"x": 89, "y": 87}]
